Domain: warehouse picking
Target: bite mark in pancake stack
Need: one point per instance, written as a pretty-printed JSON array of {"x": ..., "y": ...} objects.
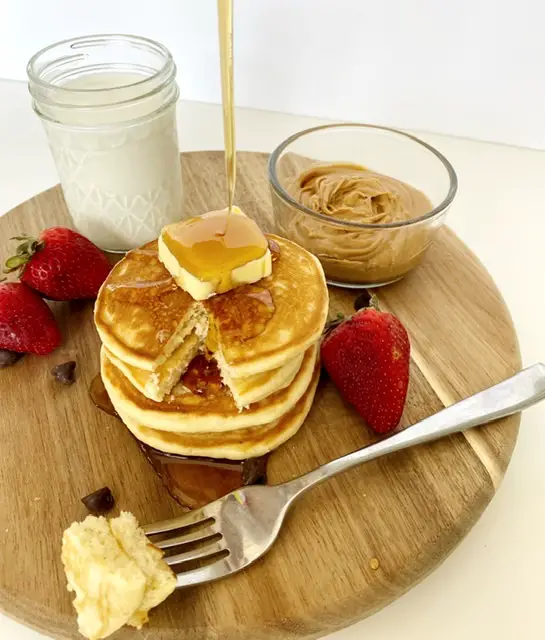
[{"x": 263, "y": 337}]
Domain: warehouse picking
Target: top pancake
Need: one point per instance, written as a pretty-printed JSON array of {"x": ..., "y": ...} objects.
[
  {"x": 142, "y": 316},
  {"x": 254, "y": 335}
]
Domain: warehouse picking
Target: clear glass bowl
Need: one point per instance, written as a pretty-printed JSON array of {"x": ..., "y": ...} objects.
[{"x": 352, "y": 253}]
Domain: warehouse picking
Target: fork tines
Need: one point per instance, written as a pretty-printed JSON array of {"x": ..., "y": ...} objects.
[{"x": 197, "y": 543}]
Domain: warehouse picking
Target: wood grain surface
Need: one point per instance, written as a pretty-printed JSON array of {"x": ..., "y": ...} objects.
[{"x": 352, "y": 545}]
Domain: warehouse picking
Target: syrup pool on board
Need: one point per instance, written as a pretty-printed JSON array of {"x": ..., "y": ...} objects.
[{"x": 191, "y": 481}]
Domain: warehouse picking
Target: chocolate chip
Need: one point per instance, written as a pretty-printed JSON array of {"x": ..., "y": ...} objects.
[
  {"x": 362, "y": 301},
  {"x": 7, "y": 357},
  {"x": 99, "y": 502},
  {"x": 65, "y": 372}
]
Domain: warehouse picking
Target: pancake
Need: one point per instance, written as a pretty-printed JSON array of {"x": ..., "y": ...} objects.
[
  {"x": 233, "y": 445},
  {"x": 141, "y": 314},
  {"x": 156, "y": 384},
  {"x": 299, "y": 296},
  {"x": 142, "y": 317},
  {"x": 247, "y": 391},
  {"x": 211, "y": 410}
]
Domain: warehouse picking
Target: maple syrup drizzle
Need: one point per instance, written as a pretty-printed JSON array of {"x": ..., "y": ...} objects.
[
  {"x": 274, "y": 248},
  {"x": 210, "y": 258},
  {"x": 211, "y": 249},
  {"x": 202, "y": 376},
  {"x": 100, "y": 396},
  {"x": 195, "y": 482},
  {"x": 191, "y": 481},
  {"x": 225, "y": 24},
  {"x": 264, "y": 296},
  {"x": 241, "y": 314}
]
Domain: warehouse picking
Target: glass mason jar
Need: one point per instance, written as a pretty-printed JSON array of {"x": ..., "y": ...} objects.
[{"x": 108, "y": 106}]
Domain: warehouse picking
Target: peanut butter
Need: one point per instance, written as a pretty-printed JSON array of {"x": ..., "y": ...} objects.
[{"x": 350, "y": 192}]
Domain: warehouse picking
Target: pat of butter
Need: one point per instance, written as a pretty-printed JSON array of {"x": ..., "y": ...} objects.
[{"x": 201, "y": 288}]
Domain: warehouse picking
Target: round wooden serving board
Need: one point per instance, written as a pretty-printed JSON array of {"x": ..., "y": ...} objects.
[{"x": 350, "y": 546}]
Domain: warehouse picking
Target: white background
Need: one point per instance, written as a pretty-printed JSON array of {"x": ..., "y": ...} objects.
[{"x": 471, "y": 68}]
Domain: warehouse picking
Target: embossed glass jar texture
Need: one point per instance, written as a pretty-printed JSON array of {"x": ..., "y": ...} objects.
[{"x": 108, "y": 106}]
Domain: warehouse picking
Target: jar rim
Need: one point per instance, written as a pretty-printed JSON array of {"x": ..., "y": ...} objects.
[
  {"x": 74, "y": 43},
  {"x": 113, "y": 125}
]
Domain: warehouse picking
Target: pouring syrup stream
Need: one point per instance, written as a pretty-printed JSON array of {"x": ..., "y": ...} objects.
[{"x": 225, "y": 23}]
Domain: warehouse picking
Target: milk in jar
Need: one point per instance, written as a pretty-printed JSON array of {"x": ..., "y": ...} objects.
[{"x": 108, "y": 104}]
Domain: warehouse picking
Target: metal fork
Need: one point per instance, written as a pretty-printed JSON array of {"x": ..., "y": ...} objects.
[{"x": 234, "y": 531}]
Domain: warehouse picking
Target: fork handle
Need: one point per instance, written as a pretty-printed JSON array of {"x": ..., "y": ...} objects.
[{"x": 510, "y": 396}]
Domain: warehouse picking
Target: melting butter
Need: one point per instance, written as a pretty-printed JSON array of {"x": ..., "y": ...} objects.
[{"x": 215, "y": 252}]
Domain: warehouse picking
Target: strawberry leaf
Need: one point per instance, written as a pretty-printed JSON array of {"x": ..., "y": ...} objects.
[
  {"x": 339, "y": 319},
  {"x": 25, "y": 250},
  {"x": 25, "y": 247},
  {"x": 15, "y": 262}
]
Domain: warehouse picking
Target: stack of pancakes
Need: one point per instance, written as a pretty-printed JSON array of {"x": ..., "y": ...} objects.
[{"x": 231, "y": 377}]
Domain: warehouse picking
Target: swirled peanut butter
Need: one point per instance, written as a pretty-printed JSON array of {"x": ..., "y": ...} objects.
[{"x": 352, "y": 193}]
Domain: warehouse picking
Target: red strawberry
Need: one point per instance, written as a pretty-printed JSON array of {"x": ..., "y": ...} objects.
[
  {"x": 61, "y": 265},
  {"x": 27, "y": 324},
  {"x": 367, "y": 357}
]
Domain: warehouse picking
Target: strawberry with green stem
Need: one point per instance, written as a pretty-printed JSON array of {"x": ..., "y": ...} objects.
[
  {"x": 367, "y": 357},
  {"x": 61, "y": 264}
]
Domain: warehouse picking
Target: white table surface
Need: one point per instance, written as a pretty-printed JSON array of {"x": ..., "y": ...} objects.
[{"x": 491, "y": 586}]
